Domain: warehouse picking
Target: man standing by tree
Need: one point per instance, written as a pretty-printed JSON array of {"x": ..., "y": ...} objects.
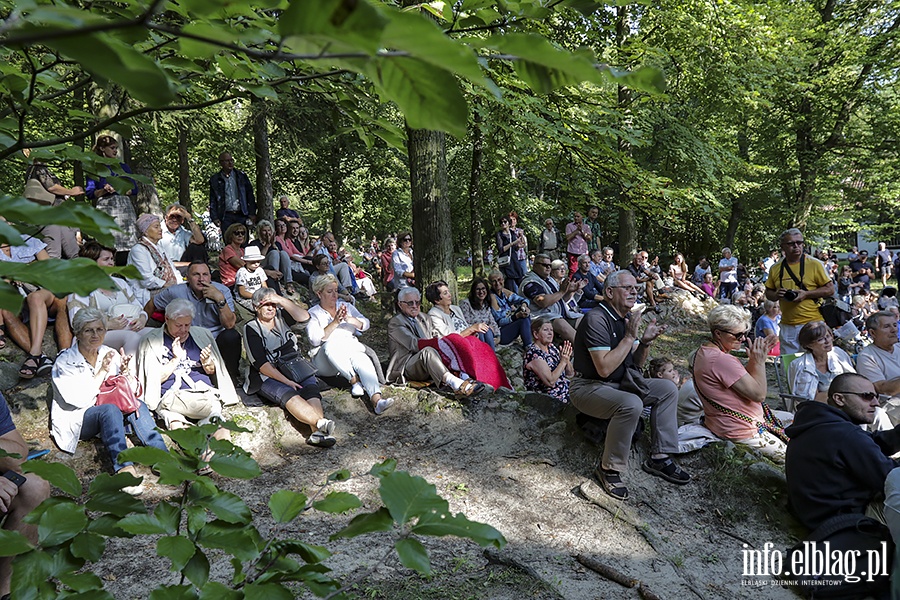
[
  {"x": 549, "y": 240},
  {"x": 797, "y": 282},
  {"x": 231, "y": 197},
  {"x": 593, "y": 213}
]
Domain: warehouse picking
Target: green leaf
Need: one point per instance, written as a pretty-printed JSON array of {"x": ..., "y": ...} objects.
[
  {"x": 243, "y": 541},
  {"x": 88, "y": 546},
  {"x": 30, "y": 576},
  {"x": 190, "y": 438},
  {"x": 239, "y": 466},
  {"x": 10, "y": 298},
  {"x": 460, "y": 526},
  {"x": 429, "y": 97},
  {"x": 383, "y": 468},
  {"x": 308, "y": 552},
  {"x": 380, "y": 520},
  {"x": 350, "y": 23},
  {"x": 423, "y": 39},
  {"x": 82, "y": 582},
  {"x": 413, "y": 555},
  {"x": 267, "y": 591},
  {"x": 61, "y": 523},
  {"x": 113, "y": 60},
  {"x": 168, "y": 514},
  {"x": 117, "y": 502},
  {"x": 286, "y": 505},
  {"x": 337, "y": 502},
  {"x": 59, "y": 475},
  {"x": 78, "y": 275},
  {"x": 342, "y": 475},
  {"x": 407, "y": 497},
  {"x": 97, "y": 594},
  {"x": 197, "y": 569},
  {"x": 177, "y": 549},
  {"x": 227, "y": 506},
  {"x": 145, "y": 455},
  {"x": 213, "y": 590},
  {"x": 173, "y": 592},
  {"x": 107, "y": 525},
  {"x": 12, "y": 543},
  {"x": 196, "y": 519},
  {"x": 145, "y": 524}
]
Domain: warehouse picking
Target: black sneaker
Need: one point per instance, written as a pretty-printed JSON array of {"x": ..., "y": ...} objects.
[{"x": 321, "y": 439}]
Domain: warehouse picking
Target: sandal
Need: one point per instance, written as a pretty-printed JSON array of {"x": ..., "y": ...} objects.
[
  {"x": 2, "y": 344},
  {"x": 45, "y": 365},
  {"x": 667, "y": 469},
  {"x": 611, "y": 482},
  {"x": 28, "y": 371},
  {"x": 470, "y": 388}
]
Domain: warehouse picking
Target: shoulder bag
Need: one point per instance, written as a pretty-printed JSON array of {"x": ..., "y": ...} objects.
[{"x": 117, "y": 390}]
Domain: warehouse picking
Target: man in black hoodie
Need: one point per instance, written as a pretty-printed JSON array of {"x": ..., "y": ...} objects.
[{"x": 832, "y": 465}]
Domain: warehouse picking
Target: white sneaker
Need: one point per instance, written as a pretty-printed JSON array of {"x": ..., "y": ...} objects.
[
  {"x": 357, "y": 390},
  {"x": 326, "y": 426},
  {"x": 383, "y": 404},
  {"x": 134, "y": 490}
]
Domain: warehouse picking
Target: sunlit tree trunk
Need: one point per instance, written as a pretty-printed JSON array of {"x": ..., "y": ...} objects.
[
  {"x": 184, "y": 172},
  {"x": 265, "y": 206},
  {"x": 475, "y": 195},
  {"x": 627, "y": 230}
]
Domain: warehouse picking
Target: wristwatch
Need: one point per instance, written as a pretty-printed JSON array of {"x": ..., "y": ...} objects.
[{"x": 222, "y": 303}]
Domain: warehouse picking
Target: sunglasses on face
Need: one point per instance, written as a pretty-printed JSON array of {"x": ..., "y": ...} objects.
[
  {"x": 738, "y": 336},
  {"x": 240, "y": 233},
  {"x": 411, "y": 303},
  {"x": 867, "y": 396}
]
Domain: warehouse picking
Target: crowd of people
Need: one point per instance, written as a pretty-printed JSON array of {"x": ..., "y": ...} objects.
[{"x": 585, "y": 328}]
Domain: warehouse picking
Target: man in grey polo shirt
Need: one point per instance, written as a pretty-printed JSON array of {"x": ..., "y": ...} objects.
[
  {"x": 213, "y": 310},
  {"x": 879, "y": 362}
]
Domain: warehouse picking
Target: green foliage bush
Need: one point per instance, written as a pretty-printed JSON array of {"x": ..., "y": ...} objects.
[{"x": 203, "y": 520}]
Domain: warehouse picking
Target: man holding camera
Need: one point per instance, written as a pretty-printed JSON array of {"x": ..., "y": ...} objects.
[
  {"x": 798, "y": 282},
  {"x": 19, "y": 494}
]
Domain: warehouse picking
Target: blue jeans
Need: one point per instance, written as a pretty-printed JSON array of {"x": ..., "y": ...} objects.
[
  {"x": 487, "y": 337},
  {"x": 514, "y": 329},
  {"x": 108, "y": 422}
]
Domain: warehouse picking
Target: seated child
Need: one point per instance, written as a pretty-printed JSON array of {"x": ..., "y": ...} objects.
[
  {"x": 708, "y": 285},
  {"x": 250, "y": 277},
  {"x": 690, "y": 409}
]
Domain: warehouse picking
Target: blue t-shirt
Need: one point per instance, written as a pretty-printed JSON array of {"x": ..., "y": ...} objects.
[
  {"x": 763, "y": 323},
  {"x": 6, "y": 422}
]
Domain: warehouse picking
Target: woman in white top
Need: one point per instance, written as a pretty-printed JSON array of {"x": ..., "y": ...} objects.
[
  {"x": 332, "y": 330},
  {"x": 402, "y": 261},
  {"x": 448, "y": 318},
  {"x": 77, "y": 375},
  {"x": 123, "y": 306},
  {"x": 812, "y": 373},
  {"x": 157, "y": 269}
]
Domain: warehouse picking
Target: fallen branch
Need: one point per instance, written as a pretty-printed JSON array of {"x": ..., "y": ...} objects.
[
  {"x": 646, "y": 594},
  {"x": 606, "y": 571}
]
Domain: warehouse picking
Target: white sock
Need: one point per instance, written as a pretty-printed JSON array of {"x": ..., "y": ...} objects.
[
  {"x": 464, "y": 376},
  {"x": 453, "y": 381},
  {"x": 357, "y": 389}
]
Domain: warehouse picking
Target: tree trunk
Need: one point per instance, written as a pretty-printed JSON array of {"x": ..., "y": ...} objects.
[
  {"x": 807, "y": 159},
  {"x": 78, "y": 168},
  {"x": 184, "y": 172},
  {"x": 475, "y": 195},
  {"x": 430, "y": 207},
  {"x": 337, "y": 192},
  {"x": 147, "y": 200},
  {"x": 737, "y": 202},
  {"x": 265, "y": 205},
  {"x": 628, "y": 241}
]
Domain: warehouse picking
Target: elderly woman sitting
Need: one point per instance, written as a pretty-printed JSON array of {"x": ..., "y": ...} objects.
[
  {"x": 77, "y": 376},
  {"x": 270, "y": 343},
  {"x": 733, "y": 396},
  {"x": 333, "y": 329},
  {"x": 449, "y": 318},
  {"x": 811, "y": 373},
  {"x": 182, "y": 371},
  {"x": 157, "y": 270},
  {"x": 123, "y": 306}
]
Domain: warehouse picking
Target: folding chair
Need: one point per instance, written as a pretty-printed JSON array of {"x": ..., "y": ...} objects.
[{"x": 782, "y": 365}]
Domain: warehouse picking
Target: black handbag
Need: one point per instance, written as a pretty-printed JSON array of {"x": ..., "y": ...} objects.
[{"x": 295, "y": 367}]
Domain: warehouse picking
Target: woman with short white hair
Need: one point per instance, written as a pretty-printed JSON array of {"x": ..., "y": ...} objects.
[
  {"x": 734, "y": 396},
  {"x": 336, "y": 350},
  {"x": 78, "y": 375}
]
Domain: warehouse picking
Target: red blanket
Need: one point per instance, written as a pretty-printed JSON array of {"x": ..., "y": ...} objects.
[{"x": 471, "y": 356}]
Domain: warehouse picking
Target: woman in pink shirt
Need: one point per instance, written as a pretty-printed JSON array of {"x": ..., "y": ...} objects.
[{"x": 733, "y": 395}]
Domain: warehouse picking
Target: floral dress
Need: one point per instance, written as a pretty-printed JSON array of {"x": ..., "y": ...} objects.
[{"x": 560, "y": 391}]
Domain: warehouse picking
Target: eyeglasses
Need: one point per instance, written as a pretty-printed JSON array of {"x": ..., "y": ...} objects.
[
  {"x": 542, "y": 264},
  {"x": 411, "y": 303},
  {"x": 867, "y": 396},
  {"x": 738, "y": 336},
  {"x": 240, "y": 233},
  {"x": 504, "y": 220},
  {"x": 267, "y": 304},
  {"x": 406, "y": 240},
  {"x": 794, "y": 243},
  {"x": 627, "y": 288}
]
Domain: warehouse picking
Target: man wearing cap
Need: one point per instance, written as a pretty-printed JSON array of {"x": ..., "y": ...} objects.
[
  {"x": 213, "y": 309},
  {"x": 182, "y": 240},
  {"x": 231, "y": 195}
]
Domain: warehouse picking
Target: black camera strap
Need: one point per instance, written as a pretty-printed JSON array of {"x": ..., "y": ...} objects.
[{"x": 785, "y": 267}]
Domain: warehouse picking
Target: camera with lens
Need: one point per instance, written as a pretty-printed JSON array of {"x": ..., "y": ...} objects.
[{"x": 790, "y": 295}]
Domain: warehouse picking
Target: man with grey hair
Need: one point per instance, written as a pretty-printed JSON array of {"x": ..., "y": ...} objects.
[
  {"x": 408, "y": 361},
  {"x": 180, "y": 368},
  {"x": 798, "y": 282},
  {"x": 182, "y": 239},
  {"x": 728, "y": 280},
  {"x": 548, "y": 299},
  {"x": 213, "y": 310},
  {"x": 879, "y": 362},
  {"x": 287, "y": 213},
  {"x": 610, "y": 385}
]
